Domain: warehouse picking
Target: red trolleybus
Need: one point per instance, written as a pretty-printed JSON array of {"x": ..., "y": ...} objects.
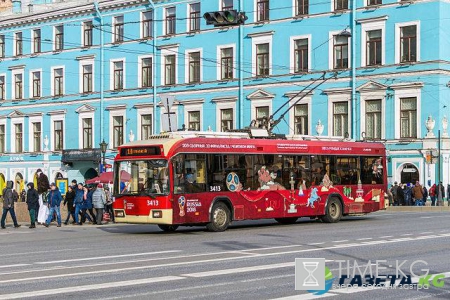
[{"x": 189, "y": 179}]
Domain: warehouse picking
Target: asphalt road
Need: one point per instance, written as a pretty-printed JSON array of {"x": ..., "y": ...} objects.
[{"x": 251, "y": 260}]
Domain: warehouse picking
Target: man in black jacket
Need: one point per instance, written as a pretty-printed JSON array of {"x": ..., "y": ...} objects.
[
  {"x": 8, "y": 204},
  {"x": 33, "y": 203}
]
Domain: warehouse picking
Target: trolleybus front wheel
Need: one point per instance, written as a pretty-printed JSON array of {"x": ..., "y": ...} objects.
[
  {"x": 333, "y": 212},
  {"x": 168, "y": 228},
  {"x": 220, "y": 217}
]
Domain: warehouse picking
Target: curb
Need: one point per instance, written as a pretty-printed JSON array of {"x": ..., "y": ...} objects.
[{"x": 418, "y": 208}]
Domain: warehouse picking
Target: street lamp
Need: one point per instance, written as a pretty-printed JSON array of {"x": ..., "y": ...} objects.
[{"x": 103, "y": 146}]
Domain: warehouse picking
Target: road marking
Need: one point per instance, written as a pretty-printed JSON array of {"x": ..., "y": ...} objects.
[
  {"x": 406, "y": 234},
  {"x": 313, "y": 244},
  {"x": 239, "y": 270},
  {"x": 90, "y": 287},
  {"x": 386, "y": 236},
  {"x": 267, "y": 278},
  {"x": 305, "y": 297},
  {"x": 364, "y": 239},
  {"x": 340, "y": 241},
  {"x": 103, "y": 257},
  {"x": 34, "y": 252},
  {"x": 17, "y": 265}
]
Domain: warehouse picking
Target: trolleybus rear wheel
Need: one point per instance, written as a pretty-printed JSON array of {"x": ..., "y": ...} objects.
[
  {"x": 333, "y": 212},
  {"x": 220, "y": 217}
]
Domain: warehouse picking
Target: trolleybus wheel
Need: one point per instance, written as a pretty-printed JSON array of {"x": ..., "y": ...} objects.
[
  {"x": 286, "y": 220},
  {"x": 220, "y": 217},
  {"x": 333, "y": 211},
  {"x": 168, "y": 228}
]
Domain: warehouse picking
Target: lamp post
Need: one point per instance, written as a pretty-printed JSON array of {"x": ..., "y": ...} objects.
[{"x": 103, "y": 146}]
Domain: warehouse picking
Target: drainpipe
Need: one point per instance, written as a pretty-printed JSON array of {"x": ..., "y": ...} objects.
[
  {"x": 353, "y": 99},
  {"x": 241, "y": 69},
  {"x": 102, "y": 72},
  {"x": 155, "y": 66}
]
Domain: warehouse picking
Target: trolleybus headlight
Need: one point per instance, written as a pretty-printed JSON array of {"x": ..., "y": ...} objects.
[
  {"x": 157, "y": 214},
  {"x": 119, "y": 213}
]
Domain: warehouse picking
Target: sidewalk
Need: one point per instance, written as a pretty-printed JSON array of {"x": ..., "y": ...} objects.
[{"x": 418, "y": 208}]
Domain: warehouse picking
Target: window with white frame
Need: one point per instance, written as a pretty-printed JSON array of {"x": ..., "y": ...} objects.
[
  {"x": 226, "y": 63},
  {"x": 146, "y": 126},
  {"x": 340, "y": 118},
  {"x": 118, "y": 75},
  {"x": 169, "y": 69},
  {"x": 87, "y": 78},
  {"x": 2, "y": 46},
  {"x": 147, "y": 24},
  {"x": 340, "y": 52},
  {"x": 87, "y": 33},
  {"x": 408, "y": 43},
  {"x": 87, "y": 133},
  {"x": 374, "y": 47},
  {"x": 2, "y": 88},
  {"x": 37, "y": 132},
  {"x": 59, "y": 38},
  {"x": 58, "y": 82},
  {"x": 227, "y": 5},
  {"x": 301, "y": 53},
  {"x": 18, "y": 134},
  {"x": 36, "y": 77},
  {"x": 58, "y": 135},
  {"x": 118, "y": 29},
  {"x": 18, "y": 43},
  {"x": 2, "y": 138},
  {"x": 408, "y": 117},
  {"x": 301, "y": 7},
  {"x": 262, "y": 116},
  {"x": 146, "y": 72},
  {"x": 373, "y": 119},
  {"x": 340, "y": 4},
  {"x": 194, "y": 67},
  {"x": 18, "y": 86},
  {"x": 194, "y": 120},
  {"x": 170, "y": 22},
  {"x": 36, "y": 40},
  {"x": 301, "y": 119},
  {"x": 194, "y": 17},
  {"x": 117, "y": 131},
  {"x": 226, "y": 119},
  {"x": 262, "y": 10},
  {"x": 262, "y": 59}
]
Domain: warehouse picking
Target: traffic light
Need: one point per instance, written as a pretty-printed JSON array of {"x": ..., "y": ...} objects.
[{"x": 224, "y": 18}]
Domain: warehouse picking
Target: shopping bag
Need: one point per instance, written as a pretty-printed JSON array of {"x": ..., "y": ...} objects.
[{"x": 106, "y": 217}]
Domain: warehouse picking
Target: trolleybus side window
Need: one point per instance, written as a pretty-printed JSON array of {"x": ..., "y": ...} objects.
[
  {"x": 189, "y": 173},
  {"x": 372, "y": 170}
]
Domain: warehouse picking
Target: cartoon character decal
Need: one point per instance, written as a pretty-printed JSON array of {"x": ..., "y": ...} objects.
[
  {"x": 181, "y": 205},
  {"x": 313, "y": 198},
  {"x": 266, "y": 180},
  {"x": 233, "y": 182}
]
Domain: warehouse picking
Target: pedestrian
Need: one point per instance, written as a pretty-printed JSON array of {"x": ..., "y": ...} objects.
[
  {"x": 42, "y": 185},
  {"x": 425, "y": 195},
  {"x": 89, "y": 207},
  {"x": 432, "y": 193},
  {"x": 407, "y": 192},
  {"x": 8, "y": 204},
  {"x": 78, "y": 203},
  {"x": 15, "y": 195},
  {"x": 69, "y": 202},
  {"x": 99, "y": 201},
  {"x": 109, "y": 204},
  {"x": 440, "y": 194},
  {"x": 54, "y": 202},
  {"x": 33, "y": 203},
  {"x": 417, "y": 192},
  {"x": 23, "y": 196},
  {"x": 394, "y": 192}
]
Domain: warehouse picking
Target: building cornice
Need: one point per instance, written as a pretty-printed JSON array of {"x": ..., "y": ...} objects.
[
  {"x": 259, "y": 34},
  {"x": 371, "y": 20},
  {"x": 143, "y": 105},
  {"x": 337, "y": 91},
  {"x": 57, "y": 112},
  {"x": 116, "y": 107},
  {"x": 192, "y": 102},
  {"x": 224, "y": 99},
  {"x": 409, "y": 85}
]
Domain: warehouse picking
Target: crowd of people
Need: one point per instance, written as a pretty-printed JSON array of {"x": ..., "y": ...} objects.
[
  {"x": 416, "y": 195},
  {"x": 44, "y": 203}
]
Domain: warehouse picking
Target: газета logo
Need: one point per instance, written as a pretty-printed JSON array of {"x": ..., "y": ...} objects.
[{"x": 328, "y": 283}]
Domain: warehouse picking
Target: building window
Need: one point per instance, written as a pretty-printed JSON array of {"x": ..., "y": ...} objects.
[
  {"x": 19, "y": 43},
  {"x": 37, "y": 137},
  {"x": 227, "y": 5},
  {"x": 58, "y": 137},
  {"x": 87, "y": 78},
  {"x": 2, "y": 139},
  {"x": 194, "y": 17},
  {"x": 169, "y": 66},
  {"x": 340, "y": 52},
  {"x": 36, "y": 84},
  {"x": 374, "y": 47},
  {"x": 118, "y": 75},
  {"x": 301, "y": 55},
  {"x": 19, "y": 137},
  {"x": 59, "y": 38},
  {"x": 262, "y": 116},
  {"x": 226, "y": 119},
  {"x": 18, "y": 85},
  {"x": 262, "y": 59},
  {"x": 302, "y": 7},
  {"x": 87, "y": 133},
  {"x": 118, "y": 29},
  {"x": 226, "y": 63},
  {"x": 340, "y": 118},
  {"x": 36, "y": 41},
  {"x": 373, "y": 119},
  {"x": 340, "y": 4},
  {"x": 262, "y": 10},
  {"x": 194, "y": 120},
  {"x": 147, "y": 72},
  {"x": 146, "y": 127},
  {"x": 408, "y": 43},
  {"x": 2, "y": 46},
  {"x": 194, "y": 67},
  {"x": 374, "y": 2},
  {"x": 117, "y": 131},
  {"x": 408, "y": 117},
  {"x": 170, "y": 20},
  {"x": 87, "y": 34},
  {"x": 2, "y": 88},
  {"x": 58, "y": 81},
  {"x": 147, "y": 24},
  {"x": 301, "y": 119}
]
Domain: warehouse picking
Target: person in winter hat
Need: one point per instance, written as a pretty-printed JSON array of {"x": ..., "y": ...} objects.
[
  {"x": 32, "y": 203},
  {"x": 54, "y": 203},
  {"x": 99, "y": 201},
  {"x": 8, "y": 204}
]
